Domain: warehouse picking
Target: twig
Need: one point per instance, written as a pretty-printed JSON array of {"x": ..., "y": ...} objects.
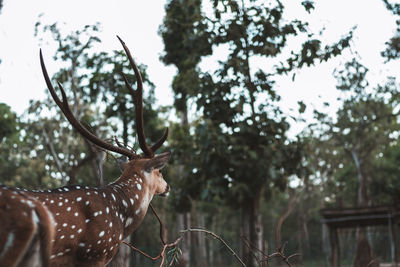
[
  {"x": 252, "y": 248},
  {"x": 162, "y": 228},
  {"x": 217, "y": 237},
  {"x": 159, "y": 256}
]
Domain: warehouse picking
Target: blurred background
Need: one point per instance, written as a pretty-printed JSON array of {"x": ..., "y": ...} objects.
[{"x": 283, "y": 116}]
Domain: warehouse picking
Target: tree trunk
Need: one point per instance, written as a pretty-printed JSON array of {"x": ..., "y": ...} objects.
[
  {"x": 199, "y": 240},
  {"x": 362, "y": 184},
  {"x": 362, "y": 201},
  {"x": 184, "y": 223},
  {"x": 252, "y": 231},
  {"x": 335, "y": 247},
  {"x": 303, "y": 236}
]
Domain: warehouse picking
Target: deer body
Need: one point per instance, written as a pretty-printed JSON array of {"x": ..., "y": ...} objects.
[
  {"x": 87, "y": 225},
  {"x": 78, "y": 225}
]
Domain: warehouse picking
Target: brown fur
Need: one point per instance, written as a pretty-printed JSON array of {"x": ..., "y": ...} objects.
[
  {"x": 77, "y": 225},
  {"x": 19, "y": 232}
]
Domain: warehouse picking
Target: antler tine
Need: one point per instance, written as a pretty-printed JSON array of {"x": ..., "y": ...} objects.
[
  {"x": 48, "y": 82},
  {"x": 138, "y": 99},
  {"x": 160, "y": 141},
  {"x": 63, "y": 105}
]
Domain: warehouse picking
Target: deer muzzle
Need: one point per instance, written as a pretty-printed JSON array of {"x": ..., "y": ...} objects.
[{"x": 166, "y": 192}]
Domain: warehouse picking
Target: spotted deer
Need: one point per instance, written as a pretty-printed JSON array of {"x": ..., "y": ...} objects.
[{"x": 79, "y": 225}]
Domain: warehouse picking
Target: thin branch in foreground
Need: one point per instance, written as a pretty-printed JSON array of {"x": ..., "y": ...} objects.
[
  {"x": 219, "y": 239},
  {"x": 159, "y": 256}
]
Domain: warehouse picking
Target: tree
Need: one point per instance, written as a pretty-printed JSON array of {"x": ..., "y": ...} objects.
[
  {"x": 185, "y": 42},
  {"x": 392, "y": 50},
  {"x": 242, "y": 143},
  {"x": 365, "y": 123},
  {"x": 9, "y": 138},
  {"x": 239, "y": 100}
]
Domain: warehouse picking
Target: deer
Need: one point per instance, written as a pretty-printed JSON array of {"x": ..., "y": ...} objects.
[{"x": 77, "y": 225}]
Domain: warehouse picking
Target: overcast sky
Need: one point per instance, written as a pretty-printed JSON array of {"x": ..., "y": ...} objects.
[{"x": 137, "y": 22}]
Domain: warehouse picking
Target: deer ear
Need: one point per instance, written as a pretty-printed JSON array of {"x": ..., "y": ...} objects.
[{"x": 158, "y": 162}]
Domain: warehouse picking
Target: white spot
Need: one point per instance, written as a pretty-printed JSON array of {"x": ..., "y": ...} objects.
[
  {"x": 120, "y": 237},
  {"x": 72, "y": 236},
  {"x": 60, "y": 254},
  {"x": 96, "y": 192},
  {"x": 66, "y": 189},
  {"x": 104, "y": 195},
  {"x": 60, "y": 204},
  {"x": 52, "y": 257},
  {"x": 139, "y": 187},
  {"x": 136, "y": 196},
  {"x": 88, "y": 193},
  {"x": 51, "y": 201},
  {"x": 101, "y": 234},
  {"x": 66, "y": 200},
  {"x": 110, "y": 224},
  {"x": 67, "y": 250},
  {"x": 88, "y": 250},
  {"x": 78, "y": 199},
  {"x": 30, "y": 203},
  {"x": 79, "y": 231},
  {"x": 76, "y": 214},
  {"x": 62, "y": 237},
  {"x": 9, "y": 243},
  {"x": 113, "y": 196},
  {"x": 95, "y": 214},
  {"x": 131, "y": 200},
  {"x": 98, "y": 242},
  {"x": 73, "y": 226},
  {"x": 124, "y": 203},
  {"x": 64, "y": 225},
  {"x": 107, "y": 210},
  {"x": 69, "y": 208},
  {"x": 87, "y": 220},
  {"x": 128, "y": 222},
  {"x": 110, "y": 239},
  {"x": 77, "y": 187},
  {"x": 81, "y": 245},
  {"x": 87, "y": 203},
  {"x": 137, "y": 211}
]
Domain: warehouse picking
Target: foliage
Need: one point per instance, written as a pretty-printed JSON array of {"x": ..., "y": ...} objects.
[{"x": 365, "y": 125}]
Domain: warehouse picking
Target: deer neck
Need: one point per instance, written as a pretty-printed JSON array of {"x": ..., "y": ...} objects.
[{"x": 134, "y": 194}]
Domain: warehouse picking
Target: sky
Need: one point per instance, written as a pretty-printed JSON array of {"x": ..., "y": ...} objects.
[{"x": 137, "y": 23}]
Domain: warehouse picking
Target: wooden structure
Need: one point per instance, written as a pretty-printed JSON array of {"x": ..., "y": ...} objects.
[{"x": 360, "y": 217}]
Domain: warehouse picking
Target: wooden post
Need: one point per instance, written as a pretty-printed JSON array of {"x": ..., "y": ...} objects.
[{"x": 335, "y": 249}]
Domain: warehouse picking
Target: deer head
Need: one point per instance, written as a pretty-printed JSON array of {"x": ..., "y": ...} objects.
[{"x": 77, "y": 225}]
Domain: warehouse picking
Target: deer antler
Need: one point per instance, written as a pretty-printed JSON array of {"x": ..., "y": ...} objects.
[{"x": 137, "y": 96}]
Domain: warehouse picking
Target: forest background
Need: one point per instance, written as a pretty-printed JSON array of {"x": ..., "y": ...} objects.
[{"x": 244, "y": 164}]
